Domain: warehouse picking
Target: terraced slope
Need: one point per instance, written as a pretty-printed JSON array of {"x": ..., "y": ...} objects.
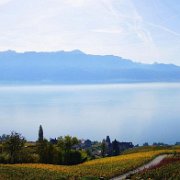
[{"x": 105, "y": 167}]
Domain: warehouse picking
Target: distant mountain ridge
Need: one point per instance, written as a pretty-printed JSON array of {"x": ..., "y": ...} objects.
[{"x": 77, "y": 67}]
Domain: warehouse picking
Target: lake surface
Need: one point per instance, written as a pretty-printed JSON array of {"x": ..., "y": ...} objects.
[{"x": 128, "y": 112}]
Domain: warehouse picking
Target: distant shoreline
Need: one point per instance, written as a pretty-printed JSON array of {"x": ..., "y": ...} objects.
[
  {"x": 74, "y": 87},
  {"x": 84, "y": 83}
]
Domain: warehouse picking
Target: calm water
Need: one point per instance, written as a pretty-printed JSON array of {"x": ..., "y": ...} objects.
[{"x": 128, "y": 112}]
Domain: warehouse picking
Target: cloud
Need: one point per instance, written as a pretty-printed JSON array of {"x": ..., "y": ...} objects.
[
  {"x": 98, "y": 27},
  {"x": 164, "y": 28},
  {"x": 2, "y": 2},
  {"x": 111, "y": 31},
  {"x": 77, "y": 3}
]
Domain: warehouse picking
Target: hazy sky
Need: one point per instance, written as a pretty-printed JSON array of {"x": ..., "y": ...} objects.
[{"x": 142, "y": 30}]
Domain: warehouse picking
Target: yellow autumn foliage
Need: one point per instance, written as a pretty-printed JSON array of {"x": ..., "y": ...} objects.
[{"x": 105, "y": 167}]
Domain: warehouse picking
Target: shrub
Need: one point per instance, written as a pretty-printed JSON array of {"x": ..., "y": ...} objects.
[{"x": 4, "y": 158}]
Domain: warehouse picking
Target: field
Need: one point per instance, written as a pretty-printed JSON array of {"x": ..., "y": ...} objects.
[
  {"x": 169, "y": 168},
  {"x": 150, "y": 148},
  {"x": 105, "y": 167}
]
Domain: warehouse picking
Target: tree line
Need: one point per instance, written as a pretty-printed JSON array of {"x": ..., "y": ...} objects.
[
  {"x": 13, "y": 149},
  {"x": 65, "y": 150}
]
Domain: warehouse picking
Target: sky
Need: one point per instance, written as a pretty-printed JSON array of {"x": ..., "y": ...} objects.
[{"x": 145, "y": 31}]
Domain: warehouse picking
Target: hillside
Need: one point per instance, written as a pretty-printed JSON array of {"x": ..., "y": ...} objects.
[
  {"x": 166, "y": 169},
  {"x": 105, "y": 167},
  {"x": 77, "y": 67}
]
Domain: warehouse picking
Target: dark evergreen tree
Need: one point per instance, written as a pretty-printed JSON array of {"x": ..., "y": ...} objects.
[
  {"x": 103, "y": 148},
  {"x": 108, "y": 140},
  {"x": 42, "y": 145},
  {"x": 109, "y": 146},
  {"x": 115, "y": 148},
  {"x": 40, "y": 135}
]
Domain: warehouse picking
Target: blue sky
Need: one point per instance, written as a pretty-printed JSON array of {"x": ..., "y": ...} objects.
[{"x": 142, "y": 30}]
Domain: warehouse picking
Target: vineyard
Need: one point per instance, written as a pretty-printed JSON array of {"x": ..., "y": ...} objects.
[
  {"x": 169, "y": 168},
  {"x": 104, "y": 167}
]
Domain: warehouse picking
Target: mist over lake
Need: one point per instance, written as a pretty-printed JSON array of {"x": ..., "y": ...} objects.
[{"x": 128, "y": 112}]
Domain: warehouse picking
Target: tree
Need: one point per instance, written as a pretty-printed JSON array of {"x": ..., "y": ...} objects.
[
  {"x": 146, "y": 144},
  {"x": 46, "y": 151},
  {"x": 67, "y": 142},
  {"x": 40, "y": 137},
  {"x": 42, "y": 146},
  {"x": 103, "y": 148},
  {"x": 115, "y": 147},
  {"x": 13, "y": 145},
  {"x": 108, "y": 140},
  {"x": 108, "y": 146},
  {"x": 41, "y": 150},
  {"x": 3, "y": 138},
  {"x": 69, "y": 155}
]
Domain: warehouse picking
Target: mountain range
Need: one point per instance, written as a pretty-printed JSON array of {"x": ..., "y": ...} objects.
[{"x": 76, "y": 67}]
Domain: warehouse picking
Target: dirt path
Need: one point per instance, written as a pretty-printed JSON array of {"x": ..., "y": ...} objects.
[{"x": 154, "y": 162}]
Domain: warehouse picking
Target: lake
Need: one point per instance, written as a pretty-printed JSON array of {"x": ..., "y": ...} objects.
[{"x": 129, "y": 112}]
